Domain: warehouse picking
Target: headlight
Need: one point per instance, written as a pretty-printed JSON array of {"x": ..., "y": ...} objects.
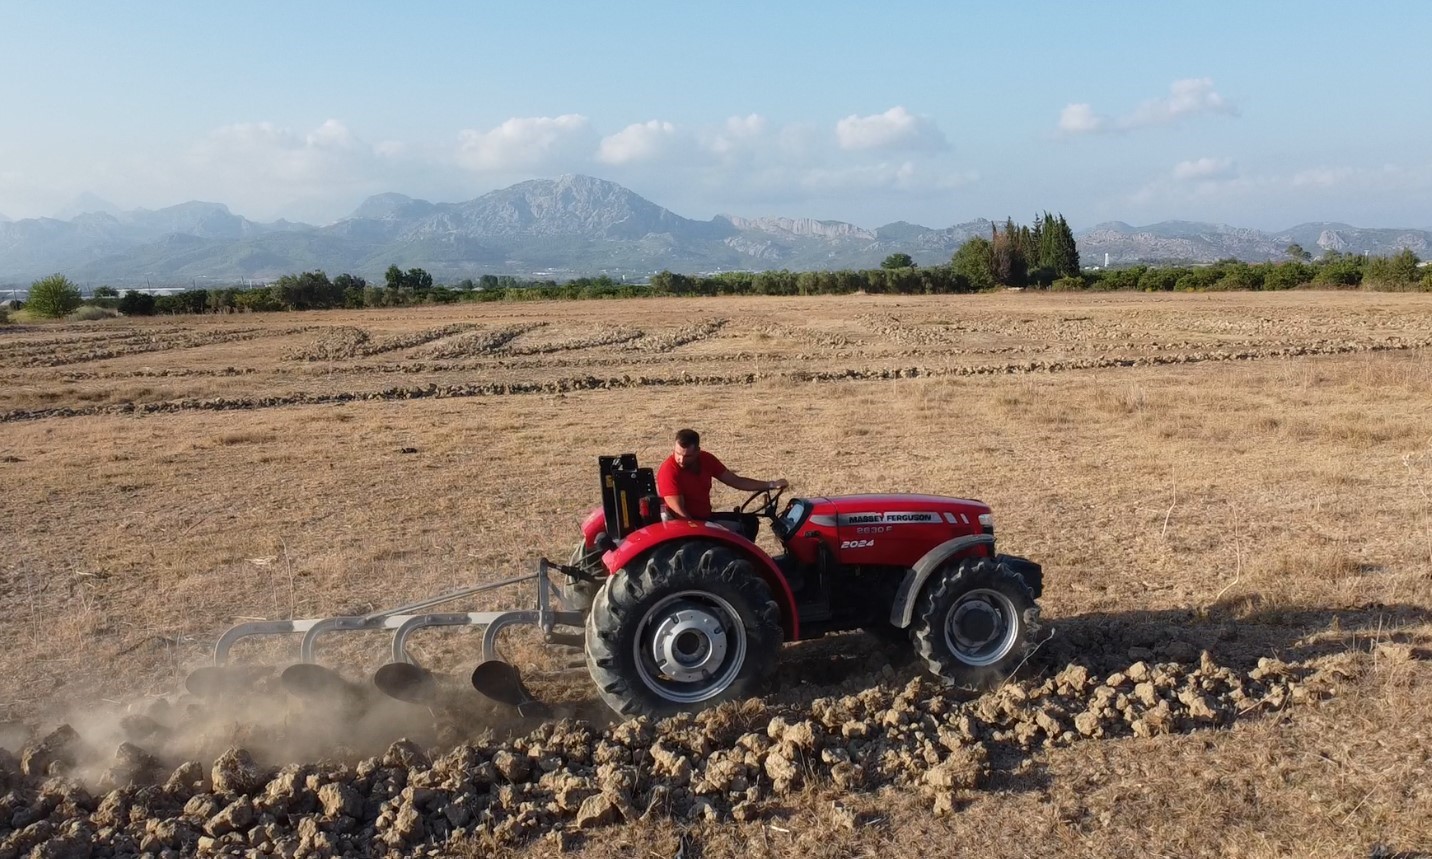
[{"x": 987, "y": 522}]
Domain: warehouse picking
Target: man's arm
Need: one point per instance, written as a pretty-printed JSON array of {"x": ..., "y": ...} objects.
[
  {"x": 747, "y": 484},
  {"x": 676, "y": 505},
  {"x": 669, "y": 488}
]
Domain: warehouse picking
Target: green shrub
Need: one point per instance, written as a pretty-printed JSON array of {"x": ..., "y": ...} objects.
[
  {"x": 1397, "y": 272},
  {"x": 1339, "y": 270},
  {"x": 1194, "y": 279},
  {"x": 1287, "y": 275},
  {"x": 1239, "y": 275},
  {"x": 1068, "y": 284},
  {"x": 1117, "y": 278},
  {"x": 136, "y": 303},
  {"x": 1158, "y": 280},
  {"x": 52, "y": 297}
]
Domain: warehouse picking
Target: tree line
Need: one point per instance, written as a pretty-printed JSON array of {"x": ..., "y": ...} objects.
[
  {"x": 1041, "y": 256},
  {"x": 1334, "y": 270}
]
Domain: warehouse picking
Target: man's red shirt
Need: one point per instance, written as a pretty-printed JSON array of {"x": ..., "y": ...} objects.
[{"x": 693, "y": 485}]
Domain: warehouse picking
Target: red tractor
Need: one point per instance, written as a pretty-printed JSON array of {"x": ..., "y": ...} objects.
[{"x": 682, "y": 614}]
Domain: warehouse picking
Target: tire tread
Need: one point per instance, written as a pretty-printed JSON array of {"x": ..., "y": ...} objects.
[
  {"x": 928, "y": 635},
  {"x": 671, "y": 566}
]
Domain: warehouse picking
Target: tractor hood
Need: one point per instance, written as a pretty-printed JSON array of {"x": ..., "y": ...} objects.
[{"x": 897, "y": 507}]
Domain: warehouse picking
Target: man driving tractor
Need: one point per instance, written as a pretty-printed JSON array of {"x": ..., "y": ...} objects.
[{"x": 684, "y": 484}]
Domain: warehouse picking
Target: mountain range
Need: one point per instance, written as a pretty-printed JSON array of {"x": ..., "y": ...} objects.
[{"x": 560, "y": 228}]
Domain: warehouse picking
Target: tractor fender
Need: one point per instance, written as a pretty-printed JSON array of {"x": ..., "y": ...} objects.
[
  {"x": 903, "y": 608},
  {"x": 640, "y": 542},
  {"x": 594, "y": 525}
]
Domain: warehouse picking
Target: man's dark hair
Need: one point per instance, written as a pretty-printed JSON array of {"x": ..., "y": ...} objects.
[{"x": 688, "y": 438}]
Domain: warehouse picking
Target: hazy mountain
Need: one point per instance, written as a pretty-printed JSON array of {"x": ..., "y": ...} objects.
[
  {"x": 569, "y": 206},
  {"x": 1341, "y": 237},
  {"x": 387, "y": 207},
  {"x": 85, "y": 204},
  {"x": 1175, "y": 240},
  {"x": 1188, "y": 241},
  {"x": 564, "y": 227}
]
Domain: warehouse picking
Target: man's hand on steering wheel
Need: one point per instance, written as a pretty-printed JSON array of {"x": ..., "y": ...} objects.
[{"x": 769, "y": 496}]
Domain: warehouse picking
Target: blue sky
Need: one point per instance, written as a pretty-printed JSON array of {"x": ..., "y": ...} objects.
[{"x": 1253, "y": 114}]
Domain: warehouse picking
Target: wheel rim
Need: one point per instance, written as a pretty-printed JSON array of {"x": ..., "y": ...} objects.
[
  {"x": 981, "y": 627},
  {"x": 690, "y": 647}
]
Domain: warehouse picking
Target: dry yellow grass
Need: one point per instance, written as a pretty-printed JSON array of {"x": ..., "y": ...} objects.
[{"x": 1256, "y": 469}]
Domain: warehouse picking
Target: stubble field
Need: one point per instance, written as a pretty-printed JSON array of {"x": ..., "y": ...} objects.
[{"x": 1211, "y": 482}]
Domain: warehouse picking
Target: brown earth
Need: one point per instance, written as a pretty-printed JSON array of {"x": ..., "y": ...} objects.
[{"x": 1231, "y": 495}]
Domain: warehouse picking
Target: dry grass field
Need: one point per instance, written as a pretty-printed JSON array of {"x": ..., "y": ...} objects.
[{"x": 1248, "y": 475}]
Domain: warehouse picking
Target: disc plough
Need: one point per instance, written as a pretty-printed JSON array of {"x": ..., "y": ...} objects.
[{"x": 401, "y": 678}]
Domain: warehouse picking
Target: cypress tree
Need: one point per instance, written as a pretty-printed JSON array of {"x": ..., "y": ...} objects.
[{"x": 1067, "y": 259}]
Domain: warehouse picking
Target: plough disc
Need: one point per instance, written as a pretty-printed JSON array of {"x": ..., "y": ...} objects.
[
  {"x": 317, "y": 683},
  {"x": 502, "y": 683},
  {"x": 407, "y": 682}
]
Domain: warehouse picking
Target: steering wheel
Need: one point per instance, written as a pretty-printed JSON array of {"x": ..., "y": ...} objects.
[{"x": 769, "y": 499}]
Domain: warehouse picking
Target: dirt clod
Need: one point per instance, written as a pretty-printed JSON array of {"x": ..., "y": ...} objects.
[{"x": 236, "y": 773}]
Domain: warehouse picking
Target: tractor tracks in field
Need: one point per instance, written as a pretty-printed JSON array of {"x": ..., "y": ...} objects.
[
  {"x": 439, "y": 346},
  {"x": 593, "y": 382},
  {"x": 54, "y": 353},
  {"x": 347, "y": 341}
]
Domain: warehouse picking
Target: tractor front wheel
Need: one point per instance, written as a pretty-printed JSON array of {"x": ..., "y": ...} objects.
[
  {"x": 974, "y": 622},
  {"x": 689, "y": 626}
]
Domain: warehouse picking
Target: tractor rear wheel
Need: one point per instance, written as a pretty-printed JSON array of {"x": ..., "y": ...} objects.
[
  {"x": 687, "y": 627},
  {"x": 974, "y": 622}
]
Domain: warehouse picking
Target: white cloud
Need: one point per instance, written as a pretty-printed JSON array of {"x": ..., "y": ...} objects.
[
  {"x": 645, "y": 141},
  {"x": 1178, "y": 194},
  {"x": 745, "y": 127},
  {"x": 1217, "y": 189},
  {"x": 265, "y": 152},
  {"x": 1205, "y": 169},
  {"x": 263, "y": 170},
  {"x": 530, "y": 142},
  {"x": 1324, "y": 177},
  {"x": 1080, "y": 119},
  {"x": 896, "y": 128},
  {"x": 1412, "y": 178},
  {"x": 331, "y": 134},
  {"x": 1187, "y": 97},
  {"x": 745, "y": 162},
  {"x": 254, "y": 136},
  {"x": 391, "y": 148},
  {"x": 887, "y": 176},
  {"x": 736, "y": 134}
]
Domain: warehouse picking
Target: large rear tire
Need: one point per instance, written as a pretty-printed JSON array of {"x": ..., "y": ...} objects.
[
  {"x": 974, "y": 623},
  {"x": 684, "y": 628}
]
